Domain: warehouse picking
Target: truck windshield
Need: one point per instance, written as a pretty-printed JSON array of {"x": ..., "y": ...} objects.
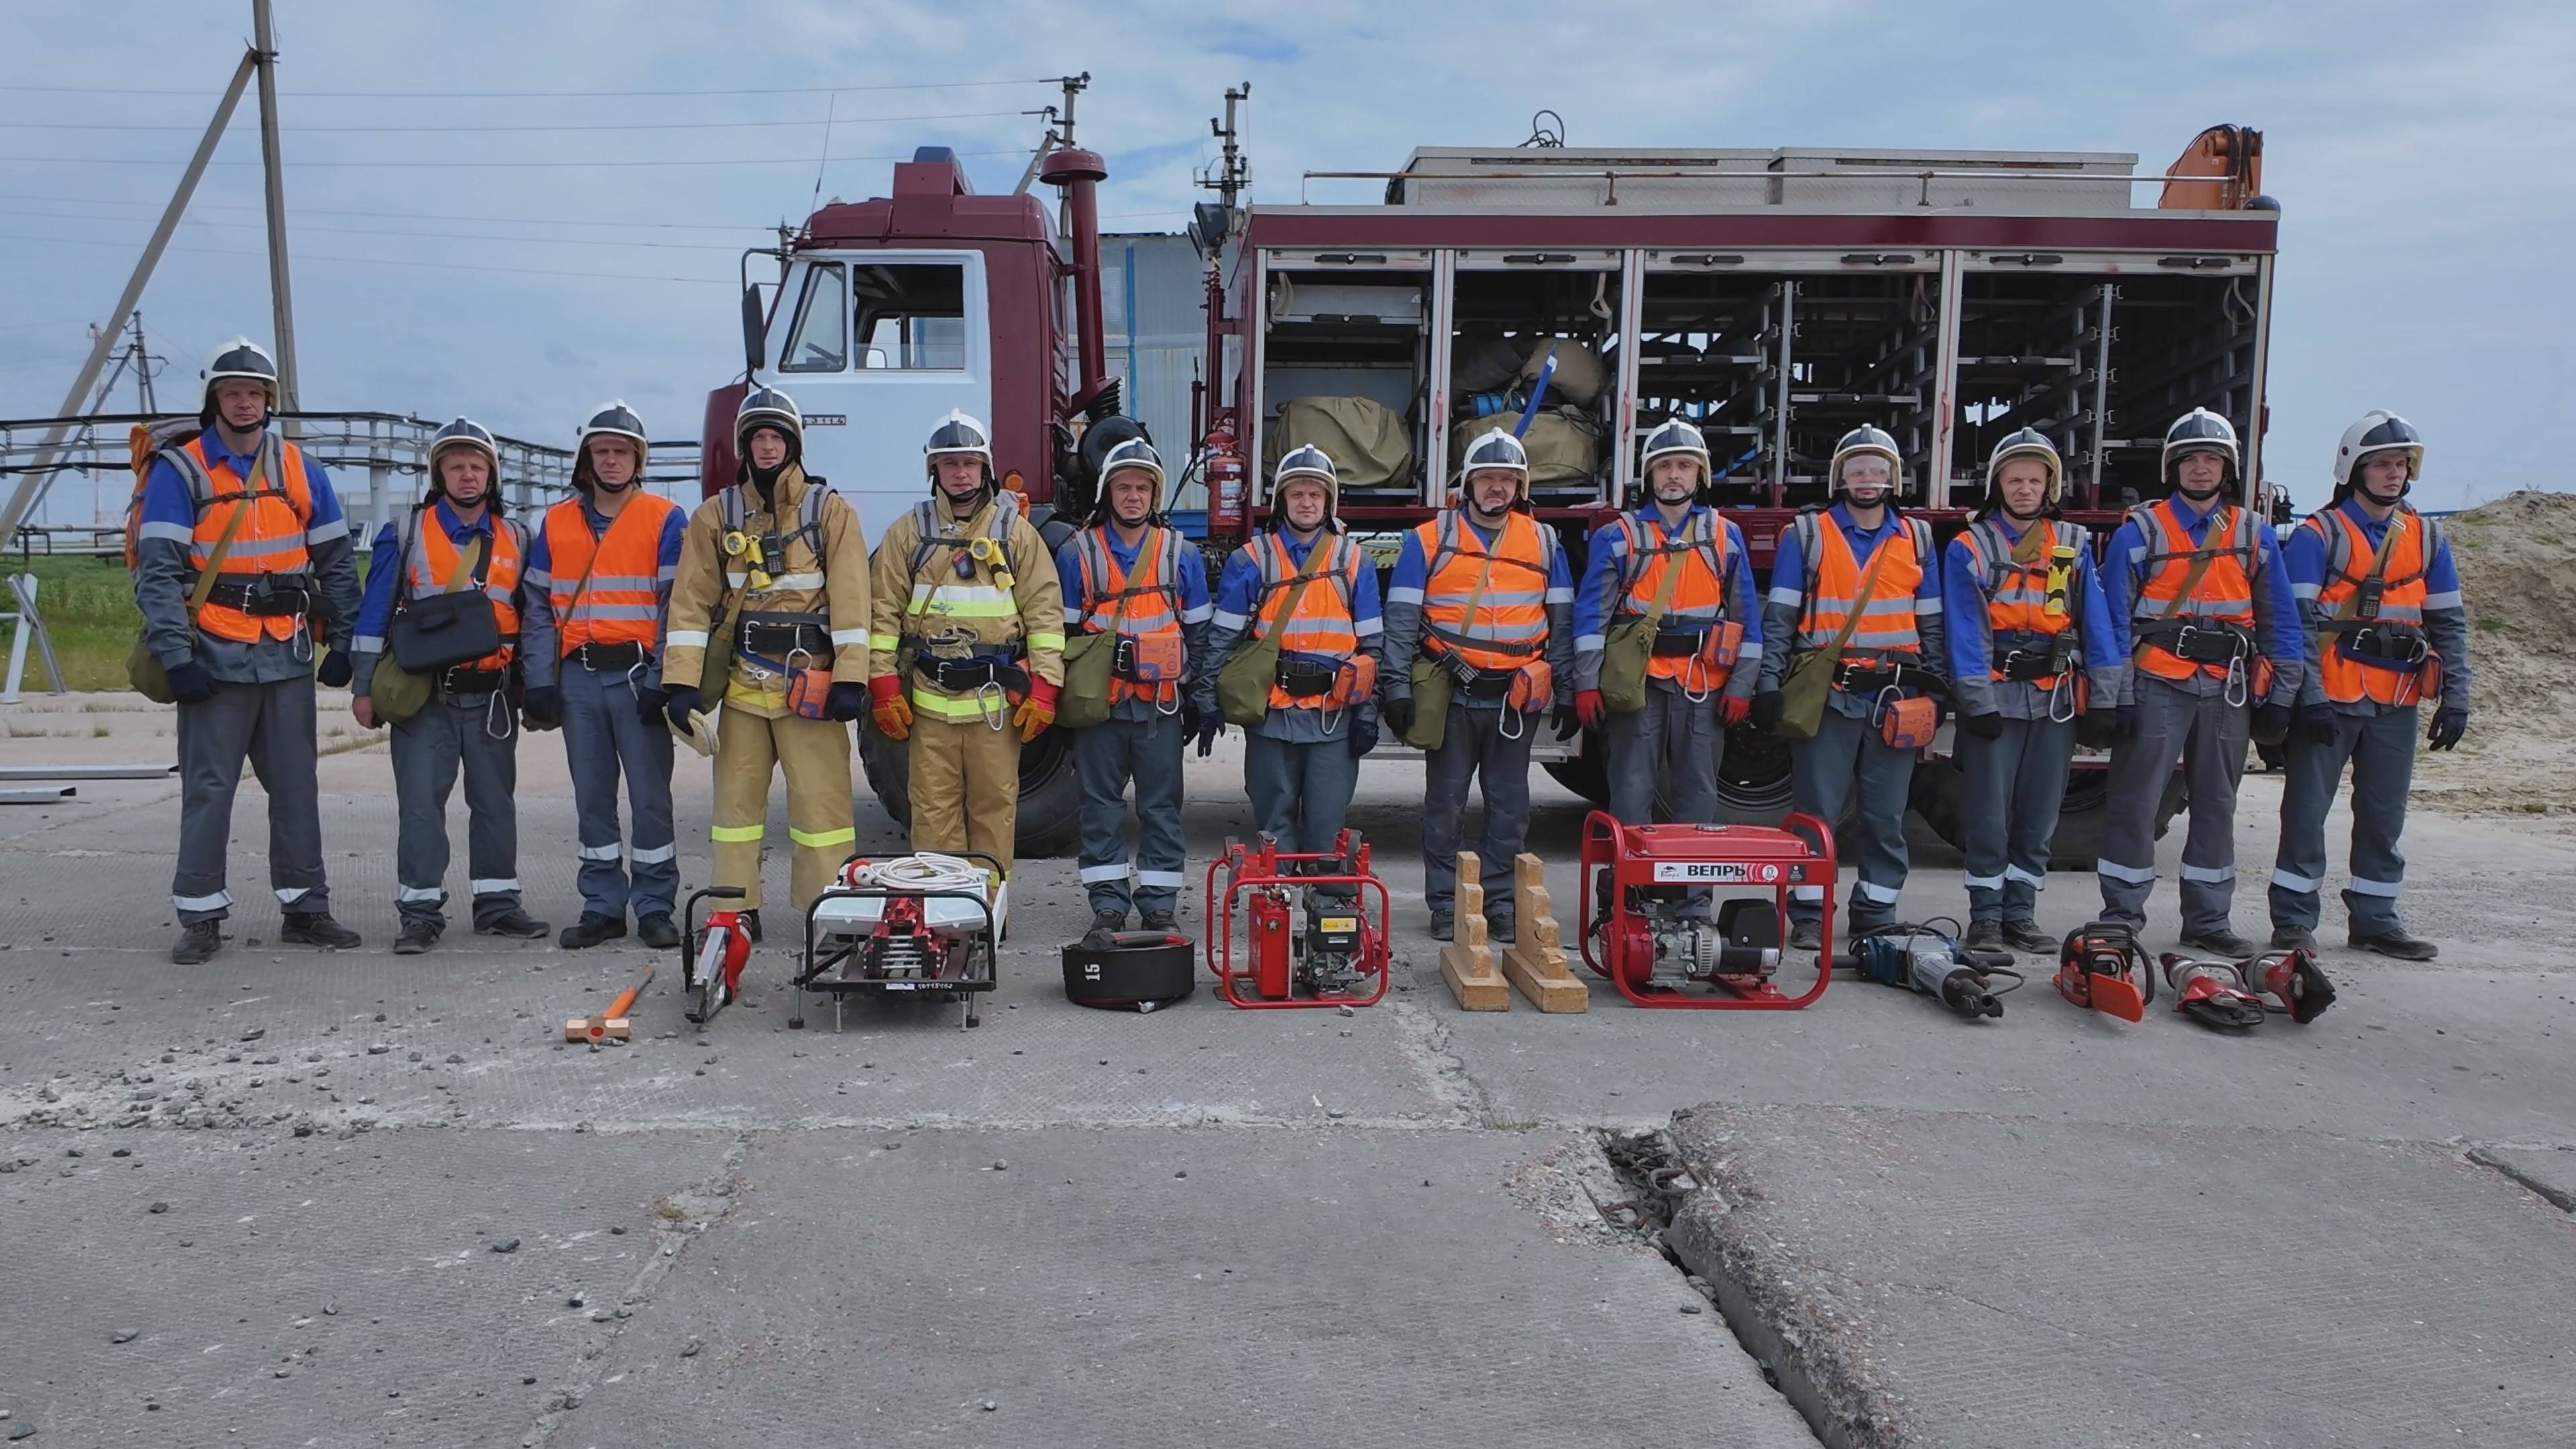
[{"x": 912, "y": 316}]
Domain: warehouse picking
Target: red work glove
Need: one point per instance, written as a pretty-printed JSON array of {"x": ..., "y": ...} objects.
[
  {"x": 1732, "y": 709},
  {"x": 887, "y": 705},
  {"x": 1590, "y": 708},
  {"x": 1037, "y": 711}
]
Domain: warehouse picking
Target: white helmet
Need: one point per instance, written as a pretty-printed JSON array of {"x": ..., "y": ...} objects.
[
  {"x": 240, "y": 357},
  {"x": 2201, "y": 431},
  {"x": 2027, "y": 443},
  {"x": 611, "y": 419},
  {"x": 1674, "y": 439},
  {"x": 2377, "y": 432},
  {"x": 463, "y": 433},
  {"x": 1309, "y": 461},
  {"x": 958, "y": 435},
  {"x": 1134, "y": 453},
  {"x": 767, "y": 407},
  {"x": 1496, "y": 449},
  {"x": 1865, "y": 442}
]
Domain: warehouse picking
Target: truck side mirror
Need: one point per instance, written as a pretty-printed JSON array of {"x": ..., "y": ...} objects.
[{"x": 754, "y": 331}]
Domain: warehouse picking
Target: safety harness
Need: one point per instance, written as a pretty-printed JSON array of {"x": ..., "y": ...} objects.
[{"x": 984, "y": 669}]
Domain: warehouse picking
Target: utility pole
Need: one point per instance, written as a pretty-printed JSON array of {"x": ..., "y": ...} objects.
[{"x": 281, "y": 296}]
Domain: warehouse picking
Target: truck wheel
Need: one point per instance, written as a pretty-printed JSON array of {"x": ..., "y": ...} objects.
[
  {"x": 1940, "y": 790},
  {"x": 1050, "y": 792},
  {"x": 1585, "y": 774},
  {"x": 1752, "y": 778}
]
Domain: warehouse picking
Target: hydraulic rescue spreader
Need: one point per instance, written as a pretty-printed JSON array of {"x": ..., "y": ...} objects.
[
  {"x": 1338, "y": 957},
  {"x": 1649, "y": 922}
]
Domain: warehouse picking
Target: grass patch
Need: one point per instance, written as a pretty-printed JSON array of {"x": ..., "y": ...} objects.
[
  {"x": 2485, "y": 626},
  {"x": 89, "y": 610}
]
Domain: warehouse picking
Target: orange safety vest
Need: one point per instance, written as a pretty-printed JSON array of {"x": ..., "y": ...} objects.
[
  {"x": 1507, "y": 584},
  {"x": 621, "y": 601},
  {"x": 1698, "y": 599},
  {"x": 434, "y": 558},
  {"x": 269, "y": 541},
  {"x": 2223, "y": 597},
  {"x": 2350, "y": 677},
  {"x": 2021, "y": 615},
  {"x": 1322, "y": 630},
  {"x": 1887, "y": 623},
  {"x": 1153, "y": 601}
]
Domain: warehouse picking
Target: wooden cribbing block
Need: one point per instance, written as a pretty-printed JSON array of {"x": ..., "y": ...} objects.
[
  {"x": 1535, "y": 962},
  {"x": 1467, "y": 962}
]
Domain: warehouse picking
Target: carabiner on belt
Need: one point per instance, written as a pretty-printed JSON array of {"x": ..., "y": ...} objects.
[
  {"x": 2235, "y": 690},
  {"x": 993, "y": 703}
]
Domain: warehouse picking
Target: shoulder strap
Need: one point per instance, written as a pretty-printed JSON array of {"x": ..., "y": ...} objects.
[
  {"x": 1316, "y": 558},
  {"x": 258, "y": 484},
  {"x": 1664, "y": 594},
  {"x": 2200, "y": 565},
  {"x": 1860, "y": 600}
]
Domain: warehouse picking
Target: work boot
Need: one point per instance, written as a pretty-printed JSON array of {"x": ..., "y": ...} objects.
[
  {"x": 316, "y": 928},
  {"x": 590, "y": 930},
  {"x": 198, "y": 942},
  {"x": 1444, "y": 926},
  {"x": 1159, "y": 921},
  {"x": 2221, "y": 942},
  {"x": 657, "y": 931},
  {"x": 2027, "y": 936},
  {"x": 2293, "y": 938},
  {"x": 1501, "y": 930},
  {"x": 2395, "y": 944},
  {"x": 514, "y": 923},
  {"x": 751, "y": 925},
  {"x": 1105, "y": 923},
  {"x": 1806, "y": 935},
  {"x": 415, "y": 937},
  {"x": 1984, "y": 936}
]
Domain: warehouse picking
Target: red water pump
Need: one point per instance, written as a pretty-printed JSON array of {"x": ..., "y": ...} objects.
[
  {"x": 1648, "y": 921},
  {"x": 1338, "y": 958}
]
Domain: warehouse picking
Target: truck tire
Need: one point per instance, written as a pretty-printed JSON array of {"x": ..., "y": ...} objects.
[
  {"x": 1752, "y": 778},
  {"x": 1050, "y": 792},
  {"x": 1940, "y": 788}
]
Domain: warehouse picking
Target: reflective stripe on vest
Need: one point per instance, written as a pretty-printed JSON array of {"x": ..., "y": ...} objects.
[
  {"x": 1887, "y": 622},
  {"x": 1322, "y": 629},
  {"x": 1699, "y": 596},
  {"x": 2225, "y": 593},
  {"x": 269, "y": 541},
  {"x": 1153, "y": 599},
  {"x": 2349, "y": 555},
  {"x": 622, "y": 603},
  {"x": 2017, "y": 614},
  {"x": 434, "y": 557},
  {"x": 1510, "y": 626}
]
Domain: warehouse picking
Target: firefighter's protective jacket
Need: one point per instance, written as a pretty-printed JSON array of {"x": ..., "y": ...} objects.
[
  {"x": 820, "y": 573},
  {"x": 935, "y": 600}
]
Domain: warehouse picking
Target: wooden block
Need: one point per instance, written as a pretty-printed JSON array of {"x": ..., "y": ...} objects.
[
  {"x": 1467, "y": 963},
  {"x": 1535, "y": 962}
]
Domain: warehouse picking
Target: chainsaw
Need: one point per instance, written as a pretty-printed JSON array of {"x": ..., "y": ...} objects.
[{"x": 2102, "y": 966}]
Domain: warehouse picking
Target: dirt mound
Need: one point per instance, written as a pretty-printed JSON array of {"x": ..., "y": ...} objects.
[{"x": 2517, "y": 562}]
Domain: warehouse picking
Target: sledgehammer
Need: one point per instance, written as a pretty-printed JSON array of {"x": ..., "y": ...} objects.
[{"x": 609, "y": 1025}]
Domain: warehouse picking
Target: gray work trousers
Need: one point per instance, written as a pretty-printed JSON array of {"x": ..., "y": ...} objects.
[
  {"x": 1674, "y": 741},
  {"x": 1848, "y": 759},
  {"x": 605, "y": 736},
  {"x": 2208, "y": 735},
  {"x": 1107, "y": 756},
  {"x": 271, "y": 726},
  {"x": 2014, "y": 785},
  {"x": 1299, "y": 792},
  {"x": 1474, "y": 746},
  {"x": 429, "y": 749},
  {"x": 2381, "y": 750}
]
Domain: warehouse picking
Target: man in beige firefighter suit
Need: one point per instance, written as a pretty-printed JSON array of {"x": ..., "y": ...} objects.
[
  {"x": 774, "y": 572},
  {"x": 967, "y": 641}
]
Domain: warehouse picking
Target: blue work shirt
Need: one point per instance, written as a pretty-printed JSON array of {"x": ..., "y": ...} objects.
[
  {"x": 1238, "y": 600},
  {"x": 2445, "y": 614},
  {"x": 2277, "y": 632},
  {"x": 164, "y": 542},
  {"x": 1786, "y": 604},
  {"x": 385, "y": 565},
  {"x": 540, "y": 636},
  {"x": 1970, "y": 625},
  {"x": 1190, "y": 592},
  {"x": 1412, "y": 575},
  {"x": 1607, "y": 574}
]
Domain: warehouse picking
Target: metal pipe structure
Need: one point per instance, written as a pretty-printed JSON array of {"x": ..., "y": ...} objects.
[
  {"x": 281, "y": 296},
  {"x": 1080, "y": 173}
]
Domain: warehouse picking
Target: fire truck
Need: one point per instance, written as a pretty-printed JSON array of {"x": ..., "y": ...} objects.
[{"x": 1775, "y": 297}]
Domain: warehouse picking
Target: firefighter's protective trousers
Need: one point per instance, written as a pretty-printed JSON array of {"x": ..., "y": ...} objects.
[
  {"x": 750, "y": 751},
  {"x": 965, "y": 783}
]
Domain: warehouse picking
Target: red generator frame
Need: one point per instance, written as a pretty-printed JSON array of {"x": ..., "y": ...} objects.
[
  {"x": 1753, "y": 857},
  {"x": 1268, "y": 980}
]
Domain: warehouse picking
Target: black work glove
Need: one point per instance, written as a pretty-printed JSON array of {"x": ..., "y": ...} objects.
[
  {"x": 2449, "y": 723},
  {"x": 2270, "y": 724},
  {"x": 2316, "y": 726},
  {"x": 1766, "y": 711},
  {"x": 847, "y": 700},
  {"x": 677, "y": 703},
  {"x": 650, "y": 702},
  {"x": 335, "y": 671},
  {"x": 2097, "y": 727},
  {"x": 1986, "y": 725},
  {"x": 1398, "y": 714},
  {"x": 1205, "y": 725},
  {"x": 1363, "y": 736},
  {"x": 190, "y": 683},
  {"x": 1563, "y": 718},
  {"x": 2124, "y": 722},
  {"x": 541, "y": 708}
]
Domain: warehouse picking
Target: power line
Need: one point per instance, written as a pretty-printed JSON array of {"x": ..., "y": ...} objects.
[
  {"x": 301, "y": 210},
  {"x": 447, "y": 130},
  {"x": 570, "y": 241},
  {"x": 392, "y": 262},
  {"x": 465, "y": 165},
  {"x": 1044, "y": 80}
]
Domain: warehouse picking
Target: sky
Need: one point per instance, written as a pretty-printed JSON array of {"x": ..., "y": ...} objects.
[{"x": 521, "y": 257}]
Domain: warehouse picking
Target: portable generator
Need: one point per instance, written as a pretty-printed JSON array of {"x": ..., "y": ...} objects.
[
  {"x": 1651, "y": 921},
  {"x": 1310, "y": 940},
  {"x": 921, "y": 928}
]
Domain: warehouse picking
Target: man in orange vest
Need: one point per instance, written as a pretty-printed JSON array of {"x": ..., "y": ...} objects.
[
  {"x": 241, "y": 665},
  {"x": 2211, "y": 630},
  {"x": 2385, "y": 628},
  {"x": 1482, "y": 593},
  {"x": 598, "y": 587},
  {"x": 1301, "y": 759},
  {"x": 1896, "y": 652},
  {"x": 1133, "y": 575},
  {"x": 468, "y": 723},
  {"x": 2035, "y": 669},
  {"x": 1707, "y": 647}
]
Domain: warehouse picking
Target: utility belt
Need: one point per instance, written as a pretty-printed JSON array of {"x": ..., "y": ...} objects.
[
  {"x": 601, "y": 658},
  {"x": 1305, "y": 679},
  {"x": 263, "y": 596},
  {"x": 780, "y": 635},
  {"x": 1679, "y": 643},
  {"x": 457, "y": 679},
  {"x": 2382, "y": 642},
  {"x": 1475, "y": 682},
  {"x": 1874, "y": 675},
  {"x": 2037, "y": 657},
  {"x": 2201, "y": 641},
  {"x": 965, "y": 676}
]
